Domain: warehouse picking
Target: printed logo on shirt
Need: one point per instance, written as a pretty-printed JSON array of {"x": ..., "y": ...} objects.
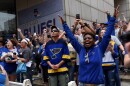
[
  {"x": 93, "y": 53},
  {"x": 54, "y": 52}
]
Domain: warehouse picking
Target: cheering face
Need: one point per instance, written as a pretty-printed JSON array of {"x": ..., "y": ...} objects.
[
  {"x": 102, "y": 33},
  {"x": 88, "y": 41},
  {"x": 9, "y": 45},
  {"x": 23, "y": 44}
]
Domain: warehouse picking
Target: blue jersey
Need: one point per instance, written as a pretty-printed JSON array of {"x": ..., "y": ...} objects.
[
  {"x": 55, "y": 52},
  {"x": 91, "y": 73},
  {"x": 2, "y": 49},
  {"x": 2, "y": 79},
  {"x": 10, "y": 67}
]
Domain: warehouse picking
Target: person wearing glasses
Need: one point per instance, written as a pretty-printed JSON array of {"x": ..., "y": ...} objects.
[{"x": 56, "y": 55}]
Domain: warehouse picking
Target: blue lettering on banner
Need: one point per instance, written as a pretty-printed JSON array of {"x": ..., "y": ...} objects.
[
  {"x": 34, "y": 29},
  {"x": 39, "y": 27},
  {"x": 43, "y": 25},
  {"x": 54, "y": 22},
  {"x": 49, "y": 23}
]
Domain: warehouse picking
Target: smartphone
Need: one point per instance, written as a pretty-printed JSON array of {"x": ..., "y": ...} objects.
[{"x": 77, "y": 16}]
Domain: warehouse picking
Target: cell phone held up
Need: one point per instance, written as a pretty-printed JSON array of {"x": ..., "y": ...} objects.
[{"x": 77, "y": 16}]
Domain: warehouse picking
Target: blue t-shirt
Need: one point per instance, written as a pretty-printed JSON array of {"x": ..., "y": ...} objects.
[{"x": 2, "y": 79}]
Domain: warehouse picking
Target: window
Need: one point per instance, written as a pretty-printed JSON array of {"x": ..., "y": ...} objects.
[{"x": 7, "y": 18}]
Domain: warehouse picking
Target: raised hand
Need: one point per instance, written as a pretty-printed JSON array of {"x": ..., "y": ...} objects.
[
  {"x": 61, "y": 19},
  {"x": 116, "y": 12},
  {"x": 107, "y": 12},
  {"x": 81, "y": 22},
  {"x": 18, "y": 29}
]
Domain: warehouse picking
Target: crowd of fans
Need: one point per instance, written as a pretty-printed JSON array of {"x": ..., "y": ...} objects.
[{"x": 89, "y": 55}]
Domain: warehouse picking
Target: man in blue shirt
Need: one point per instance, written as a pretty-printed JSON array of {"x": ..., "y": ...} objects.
[{"x": 56, "y": 54}]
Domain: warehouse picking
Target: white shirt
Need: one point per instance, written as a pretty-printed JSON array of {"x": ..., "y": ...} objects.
[{"x": 108, "y": 57}]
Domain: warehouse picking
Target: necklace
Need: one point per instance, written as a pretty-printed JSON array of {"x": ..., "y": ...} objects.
[{"x": 86, "y": 58}]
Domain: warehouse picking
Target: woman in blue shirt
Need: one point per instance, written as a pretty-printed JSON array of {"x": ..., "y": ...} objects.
[
  {"x": 90, "y": 55},
  {"x": 10, "y": 58}
]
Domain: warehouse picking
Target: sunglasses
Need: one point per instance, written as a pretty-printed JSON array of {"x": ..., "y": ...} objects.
[{"x": 54, "y": 31}]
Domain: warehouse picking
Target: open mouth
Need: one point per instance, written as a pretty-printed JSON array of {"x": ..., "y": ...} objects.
[{"x": 87, "y": 43}]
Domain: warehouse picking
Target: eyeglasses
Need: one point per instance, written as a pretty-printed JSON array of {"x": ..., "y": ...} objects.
[{"x": 54, "y": 31}]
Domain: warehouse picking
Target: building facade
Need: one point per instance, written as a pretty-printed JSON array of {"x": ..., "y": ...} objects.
[
  {"x": 35, "y": 15},
  {"x": 89, "y": 10},
  {"x": 124, "y": 8}
]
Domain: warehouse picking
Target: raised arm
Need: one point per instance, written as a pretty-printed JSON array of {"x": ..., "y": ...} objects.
[
  {"x": 20, "y": 32},
  {"x": 105, "y": 41},
  {"x": 108, "y": 15},
  {"x": 106, "y": 38},
  {"x": 70, "y": 35},
  {"x": 87, "y": 27}
]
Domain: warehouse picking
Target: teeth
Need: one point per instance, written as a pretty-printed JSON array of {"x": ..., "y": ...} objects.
[{"x": 87, "y": 43}]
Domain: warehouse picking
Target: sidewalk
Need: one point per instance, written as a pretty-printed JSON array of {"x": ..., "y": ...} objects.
[
  {"x": 37, "y": 81},
  {"x": 125, "y": 78}
]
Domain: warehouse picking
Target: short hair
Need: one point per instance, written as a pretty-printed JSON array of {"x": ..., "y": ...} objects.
[
  {"x": 55, "y": 28},
  {"x": 13, "y": 42},
  {"x": 93, "y": 36}
]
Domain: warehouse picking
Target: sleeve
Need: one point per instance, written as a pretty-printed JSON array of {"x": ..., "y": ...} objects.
[
  {"x": 107, "y": 36},
  {"x": 66, "y": 52},
  {"x": 45, "y": 55},
  {"x": 72, "y": 38},
  {"x": 108, "y": 17},
  {"x": 116, "y": 40}
]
